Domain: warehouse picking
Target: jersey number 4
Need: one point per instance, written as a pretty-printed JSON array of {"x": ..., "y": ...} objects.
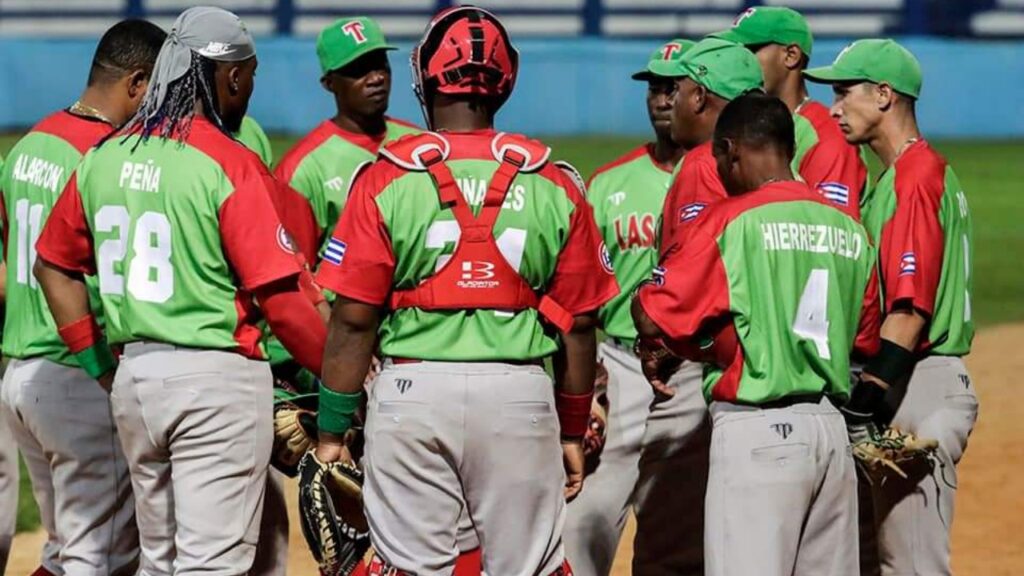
[
  {"x": 812, "y": 313},
  {"x": 150, "y": 274}
]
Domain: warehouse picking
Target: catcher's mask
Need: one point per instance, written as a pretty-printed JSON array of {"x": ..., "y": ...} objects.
[{"x": 465, "y": 51}]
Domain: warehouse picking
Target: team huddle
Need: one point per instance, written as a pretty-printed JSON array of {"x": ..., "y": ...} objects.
[{"x": 407, "y": 319}]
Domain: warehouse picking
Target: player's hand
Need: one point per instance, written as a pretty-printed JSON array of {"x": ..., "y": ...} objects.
[
  {"x": 373, "y": 371},
  {"x": 333, "y": 448},
  {"x": 572, "y": 459},
  {"x": 658, "y": 365},
  {"x": 106, "y": 381}
]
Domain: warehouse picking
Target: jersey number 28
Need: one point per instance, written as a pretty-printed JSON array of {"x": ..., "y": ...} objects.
[{"x": 150, "y": 274}]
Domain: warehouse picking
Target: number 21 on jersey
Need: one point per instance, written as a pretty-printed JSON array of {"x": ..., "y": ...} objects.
[{"x": 150, "y": 275}]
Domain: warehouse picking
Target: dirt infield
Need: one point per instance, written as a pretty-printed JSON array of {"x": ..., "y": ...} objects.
[{"x": 988, "y": 536}]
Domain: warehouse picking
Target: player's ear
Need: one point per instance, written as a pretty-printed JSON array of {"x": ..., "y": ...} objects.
[
  {"x": 234, "y": 73},
  {"x": 327, "y": 81},
  {"x": 884, "y": 96},
  {"x": 699, "y": 99},
  {"x": 138, "y": 82},
  {"x": 792, "y": 56}
]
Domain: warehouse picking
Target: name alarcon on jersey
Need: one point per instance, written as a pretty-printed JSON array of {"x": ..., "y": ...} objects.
[
  {"x": 818, "y": 238},
  {"x": 38, "y": 172}
]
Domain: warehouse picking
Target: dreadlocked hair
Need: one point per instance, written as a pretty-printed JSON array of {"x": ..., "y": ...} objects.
[{"x": 175, "y": 114}]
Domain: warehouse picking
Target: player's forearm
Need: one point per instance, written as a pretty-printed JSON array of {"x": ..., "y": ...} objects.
[
  {"x": 903, "y": 327},
  {"x": 574, "y": 370},
  {"x": 64, "y": 291},
  {"x": 645, "y": 327},
  {"x": 351, "y": 336},
  {"x": 295, "y": 321}
]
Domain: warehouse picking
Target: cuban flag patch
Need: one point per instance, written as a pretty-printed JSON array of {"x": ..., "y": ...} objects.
[
  {"x": 335, "y": 251},
  {"x": 691, "y": 211},
  {"x": 658, "y": 276},
  {"x": 908, "y": 264},
  {"x": 835, "y": 192}
]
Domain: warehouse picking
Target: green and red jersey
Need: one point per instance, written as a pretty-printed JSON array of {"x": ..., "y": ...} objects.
[
  {"x": 825, "y": 161},
  {"x": 394, "y": 234},
  {"x": 795, "y": 277},
  {"x": 918, "y": 216},
  {"x": 178, "y": 234},
  {"x": 38, "y": 168},
  {"x": 252, "y": 135},
  {"x": 694, "y": 187},
  {"x": 627, "y": 196},
  {"x": 321, "y": 165}
]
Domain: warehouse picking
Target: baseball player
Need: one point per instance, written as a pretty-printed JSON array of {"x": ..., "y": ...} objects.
[
  {"x": 9, "y": 473},
  {"x": 60, "y": 418},
  {"x": 782, "y": 42},
  {"x": 627, "y": 196},
  {"x": 917, "y": 214},
  {"x": 467, "y": 251},
  {"x": 781, "y": 494},
  {"x": 176, "y": 220},
  {"x": 354, "y": 61}
]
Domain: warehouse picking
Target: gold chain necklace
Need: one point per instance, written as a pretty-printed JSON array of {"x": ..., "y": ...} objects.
[{"x": 88, "y": 111}]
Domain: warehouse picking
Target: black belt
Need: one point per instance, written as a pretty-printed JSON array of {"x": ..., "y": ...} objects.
[{"x": 787, "y": 401}]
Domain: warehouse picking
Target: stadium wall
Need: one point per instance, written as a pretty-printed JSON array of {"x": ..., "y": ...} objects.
[{"x": 971, "y": 89}]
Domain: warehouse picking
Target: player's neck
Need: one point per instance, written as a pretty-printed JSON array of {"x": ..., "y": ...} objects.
[
  {"x": 365, "y": 125},
  {"x": 460, "y": 116},
  {"x": 667, "y": 153},
  {"x": 895, "y": 134},
  {"x": 766, "y": 168},
  {"x": 793, "y": 92},
  {"x": 98, "y": 99}
]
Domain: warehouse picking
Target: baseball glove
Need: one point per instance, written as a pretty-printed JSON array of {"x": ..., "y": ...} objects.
[
  {"x": 890, "y": 449},
  {"x": 331, "y": 514}
]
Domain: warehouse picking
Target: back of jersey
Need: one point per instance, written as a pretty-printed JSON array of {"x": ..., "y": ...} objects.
[
  {"x": 394, "y": 234},
  {"x": 797, "y": 272},
  {"x": 34, "y": 176}
]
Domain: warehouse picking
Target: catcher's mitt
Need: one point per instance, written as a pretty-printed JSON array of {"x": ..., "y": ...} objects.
[
  {"x": 295, "y": 434},
  {"x": 890, "y": 449},
  {"x": 331, "y": 514}
]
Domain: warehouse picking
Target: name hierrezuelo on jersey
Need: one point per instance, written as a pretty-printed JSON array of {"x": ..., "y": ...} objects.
[
  {"x": 627, "y": 195},
  {"x": 37, "y": 169},
  {"x": 792, "y": 273},
  {"x": 200, "y": 224},
  {"x": 394, "y": 233},
  {"x": 320, "y": 166}
]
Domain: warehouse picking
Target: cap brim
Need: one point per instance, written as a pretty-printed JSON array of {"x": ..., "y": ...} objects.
[
  {"x": 666, "y": 69},
  {"x": 731, "y": 35},
  {"x": 828, "y": 75},
  {"x": 359, "y": 54},
  {"x": 643, "y": 75}
]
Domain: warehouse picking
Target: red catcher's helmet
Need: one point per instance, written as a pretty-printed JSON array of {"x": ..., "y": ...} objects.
[{"x": 465, "y": 51}]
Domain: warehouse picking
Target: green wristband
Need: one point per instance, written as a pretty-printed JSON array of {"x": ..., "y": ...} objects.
[
  {"x": 97, "y": 359},
  {"x": 336, "y": 410}
]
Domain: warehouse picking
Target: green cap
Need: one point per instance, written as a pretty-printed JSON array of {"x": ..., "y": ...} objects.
[
  {"x": 769, "y": 25},
  {"x": 664, "y": 61},
  {"x": 874, "y": 60},
  {"x": 725, "y": 68},
  {"x": 347, "y": 39}
]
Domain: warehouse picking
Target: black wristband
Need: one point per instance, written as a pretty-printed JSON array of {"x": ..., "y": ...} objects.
[
  {"x": 892, "y": 364},
  {"x": 866, "y": 399}
]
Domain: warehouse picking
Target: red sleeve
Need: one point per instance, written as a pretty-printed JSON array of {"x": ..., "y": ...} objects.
[
  {"x": 294, "y": 320},
  {"x": 358, "y": 262},
  {"x": 584, "y": 278},
  {"x": 66, "y": 241},
  {"x": 913, "y": 242},
  {"x": 695, "y": 187},
  {"x": 255, "y": 242},
  {"x": 833, "y": 160},
  {"x": 868, "y": 339},
  {"x": 690, "y": 291},
  {"x": 297, "y": 216}
]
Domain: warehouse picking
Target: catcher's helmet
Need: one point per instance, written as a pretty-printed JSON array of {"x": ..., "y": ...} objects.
[{"x": 464, "y": 51}]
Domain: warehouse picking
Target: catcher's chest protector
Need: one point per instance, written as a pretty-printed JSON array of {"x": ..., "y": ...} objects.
[{"x": 477, "y": 276}]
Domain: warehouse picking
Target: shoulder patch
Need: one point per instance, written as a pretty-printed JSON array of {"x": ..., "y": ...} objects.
[
  {"x": 573, "y": 174},
  {"x": 535, "y": 153},
  {"x": 408, "y": 151}
]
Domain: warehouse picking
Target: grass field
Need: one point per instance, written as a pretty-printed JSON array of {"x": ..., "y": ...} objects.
[{"x": 992, "y": 174}]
